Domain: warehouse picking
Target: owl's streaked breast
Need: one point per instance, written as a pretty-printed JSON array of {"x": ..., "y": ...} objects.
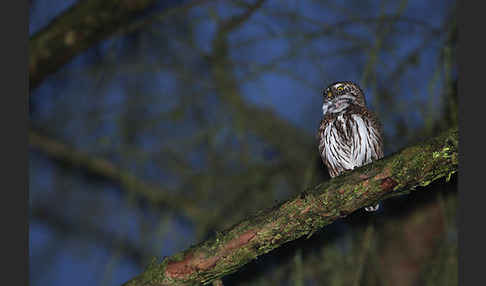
[{"x": 349, "y": 141}]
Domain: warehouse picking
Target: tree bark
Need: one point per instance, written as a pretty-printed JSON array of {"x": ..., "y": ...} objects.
[{"x": 400, "y": 173}]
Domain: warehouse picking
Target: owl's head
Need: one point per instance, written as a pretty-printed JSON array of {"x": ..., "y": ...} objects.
[{"x": 340, "y": 95}]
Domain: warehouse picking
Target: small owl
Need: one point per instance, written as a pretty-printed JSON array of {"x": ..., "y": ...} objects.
[{"x": 350, "y": 135}]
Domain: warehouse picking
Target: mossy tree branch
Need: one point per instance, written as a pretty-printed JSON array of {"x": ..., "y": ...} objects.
[{"x": 415, "y": 166}]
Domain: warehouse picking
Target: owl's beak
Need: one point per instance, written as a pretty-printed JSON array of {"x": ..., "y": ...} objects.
[
  {"x": 330, "y": 105},
  {"x": 336, "y": 105}
]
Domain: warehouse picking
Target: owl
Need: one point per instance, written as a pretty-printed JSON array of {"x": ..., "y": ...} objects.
[{"x": 349, "y": 135}]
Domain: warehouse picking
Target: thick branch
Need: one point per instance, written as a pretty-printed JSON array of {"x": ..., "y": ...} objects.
[
  {"x": 401, "y": 172},
  {"x": 77, "y": 29}
]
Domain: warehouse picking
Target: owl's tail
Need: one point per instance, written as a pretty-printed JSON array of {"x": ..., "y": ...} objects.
[{"x": 372, "y": 208}]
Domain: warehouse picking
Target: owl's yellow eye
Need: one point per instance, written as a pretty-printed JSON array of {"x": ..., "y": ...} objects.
[
  {"x": 340, "y": 88},
  {"x": 329, "y": 94}
]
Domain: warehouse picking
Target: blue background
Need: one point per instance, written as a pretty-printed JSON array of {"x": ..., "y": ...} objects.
[{"x": 130, "y": 76}]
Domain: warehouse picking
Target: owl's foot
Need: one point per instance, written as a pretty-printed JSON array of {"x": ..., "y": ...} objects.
[{"x": 372, "y": 208}]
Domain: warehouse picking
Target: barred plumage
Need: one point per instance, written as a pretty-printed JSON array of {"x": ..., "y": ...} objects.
[{"x": 350, "y": 135}]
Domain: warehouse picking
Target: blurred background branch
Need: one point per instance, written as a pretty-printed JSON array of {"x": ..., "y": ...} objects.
[
  {"x": 106, "y": 170},
  {"x": 82, "y": 26}
]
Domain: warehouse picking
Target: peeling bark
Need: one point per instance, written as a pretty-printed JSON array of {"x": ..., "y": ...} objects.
[{"x": 317, "y": 207}]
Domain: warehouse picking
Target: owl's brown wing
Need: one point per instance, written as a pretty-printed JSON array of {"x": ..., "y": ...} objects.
[{"x": 378, "y": 128}]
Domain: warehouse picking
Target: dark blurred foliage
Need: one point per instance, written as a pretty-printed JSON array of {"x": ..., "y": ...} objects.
[{"x": 184, "y": 123}]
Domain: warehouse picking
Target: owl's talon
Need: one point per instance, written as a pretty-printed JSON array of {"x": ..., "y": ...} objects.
[
  {"x": 303, "y": 194},
  {"x": 372, "y": 208}
]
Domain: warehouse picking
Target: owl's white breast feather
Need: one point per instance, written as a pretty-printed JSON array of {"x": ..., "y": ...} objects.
[
  {"x": 362, "y": 149},
  {"x": 345, "y": 151}
]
